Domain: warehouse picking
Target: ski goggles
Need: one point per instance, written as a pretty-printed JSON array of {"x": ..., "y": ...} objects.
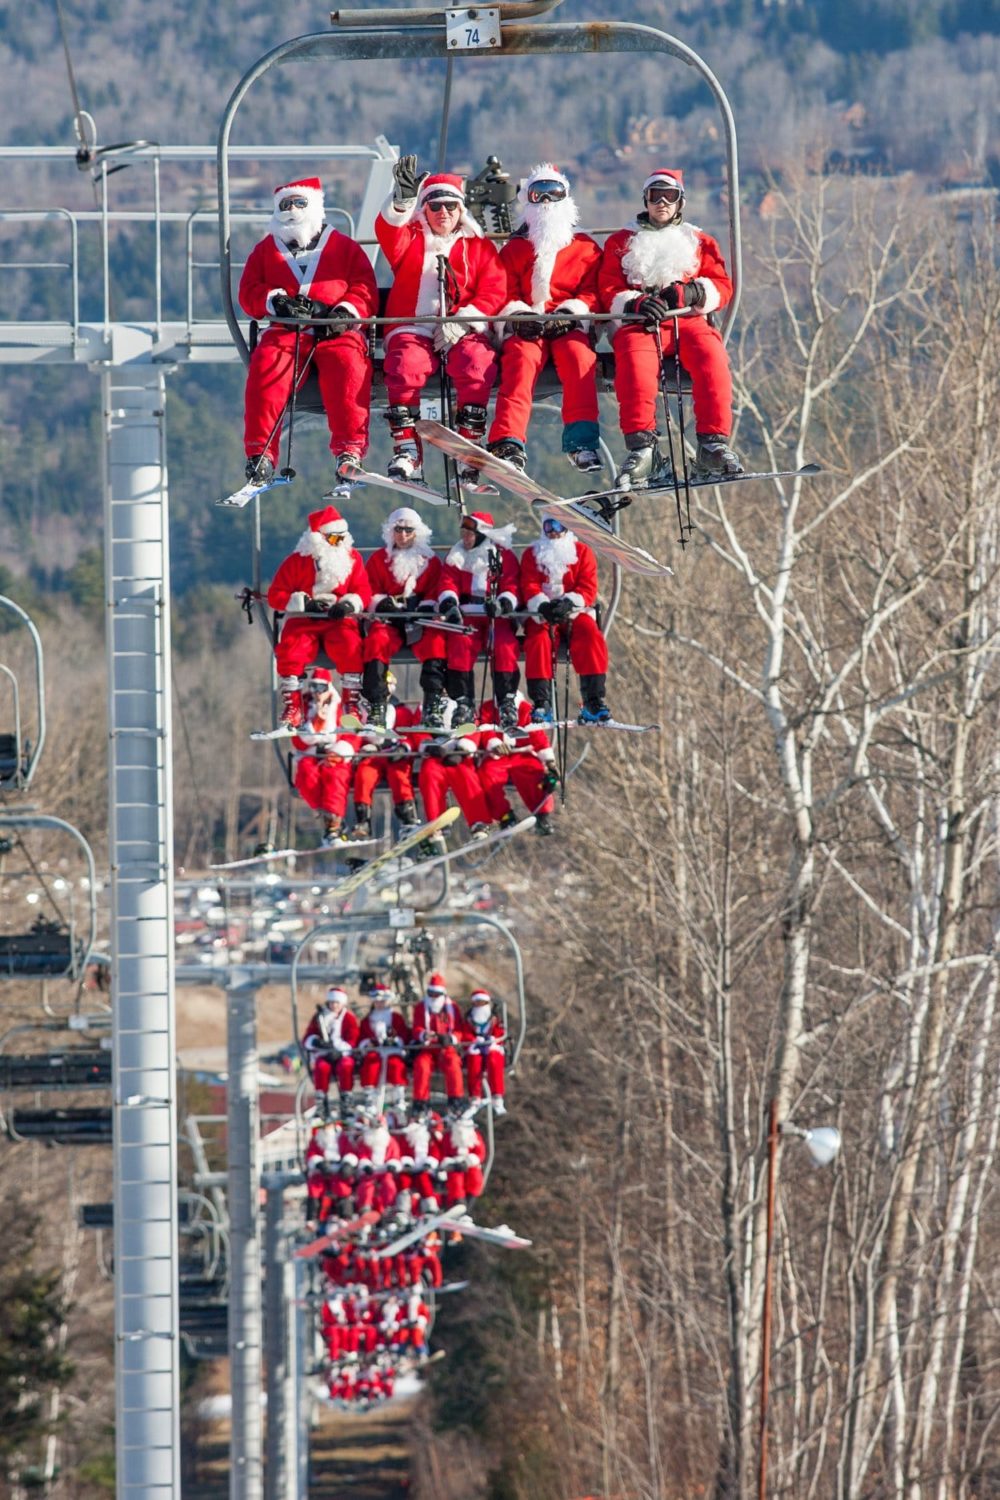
[
  {"x": 284, "y": 204},
  {"x": 663, "y": 195},
  {"x": 333, "y": 537},
  {"x": 545, "y": 191},
  {"x": 552, "y": 527}
]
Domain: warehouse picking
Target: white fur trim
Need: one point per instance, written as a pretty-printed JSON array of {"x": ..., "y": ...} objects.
[
  {"x": 574, "y": 307},
  {"x": 620, "y": 301},
  {"x": 468, "y": 746},
  {"x": 535, "y": 603},
  {"x": 508, "y": 595},
  {"x": 577, "y": 600},
  {"x": 546, "y": 754},
  {"x": 396, "y": 215},
  {"x": 277, "y": 291},
  {"x": 349, "y": 306},
  {"x": 712, "y": 298},
  {"x": 470, "y": 310},
  {"x": 343, "y": 748},
  {"x": 354, "y": 599},
  {"x": 448, "y": 593}
]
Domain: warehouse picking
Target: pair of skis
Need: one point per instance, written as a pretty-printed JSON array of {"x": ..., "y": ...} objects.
[
  {"x": 360, "y": 877},
  {"x": 455, "y": 1219}
]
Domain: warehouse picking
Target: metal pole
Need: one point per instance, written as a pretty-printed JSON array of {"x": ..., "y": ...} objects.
[
  {"x": 773, "y": 1135},
  {"x": 137, "y": 570},
  {"x": 280, "y": 1473},
  {"x": 243, "y": 1129}
]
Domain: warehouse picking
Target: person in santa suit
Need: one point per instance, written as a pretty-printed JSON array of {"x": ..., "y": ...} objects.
[
  {"x": 652, "y": 269},
  {"x": 522, "y": 757},
  {"x": 323, "y": 755},
  {"x": 426, "y": 220},
  {"x": 449, "y": 765},
  {"x": 479, "y": 587},
  {"x": 412, "y": 1319},
  {"x": 405, "y": 576},
  {"x": 463, "y": 1154},
  {"x": 389, "y": 761},
  {"x": 551, "y": 269},
  {"x": 416, "y": 1180},
  {"x": 329, "y": 1041},
  {"x": 321, "y": 1160},
  {"x": 383, "y": 1039},
  {"x": 436, "y": 1031},
  {"x": 483, "y": 1038},
  {"x": 378, "y": 1160},
  {"x": 559, "y": 588},
  {"x": 318, "y": 283},
  {"x": 324, "y": 586}
]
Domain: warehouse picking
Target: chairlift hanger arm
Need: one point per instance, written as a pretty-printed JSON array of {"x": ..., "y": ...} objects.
[
  {"x": 510, "y": 10},
  {"x": 408, "y": 41}
]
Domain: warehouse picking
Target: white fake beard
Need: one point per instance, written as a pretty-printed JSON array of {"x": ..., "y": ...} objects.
[
  {"x": 474, "y": 560},
  {"x": 554, "y": 554},
  {"x": 333, "y": 564},
  {"x": 463, "y": 1134},
  {"x": 298, "y": 226},
  {"x": 428, "y": 299},
  {"x": 377, "y": 1139},
  {"x": 407, "y": 563},
  {"x": 550, "y": 229},
  {"x": 419, "y": 1137},
  {"x": 435, "y": 1004},
  {"x": 479, "y": 1014},
  {"x": 655, "y": 258}
]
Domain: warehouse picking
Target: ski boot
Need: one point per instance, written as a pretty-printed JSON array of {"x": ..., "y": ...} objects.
[
  {"x": 479, "y": 831},
  {"x": 351, "y": 697},
  {"x": 715, "y": 458},
  {"x": 509, "y": 818},
  {"x": 511, "y": 450},
  {"x": 362, "y": 821},
  {"x": 505, "y": 697},
  {"x": 465, "y": 711},
  {"x": 593, "y": 710},
  {"x": 543, "y": 825},
  {"x": 470, "y": 423},
  {"x": 435, "y": 707},
  {"x": 347, "y": 467},
  {"x": 292, "y": 707},
  {"x": 507, "y": 710},
  {"x": 407, "y": 815},
  {"x": 407, "y": 458},
  {"x": 259, "y": 469},
  {"x": 432, "y": 847},
  {"x": 540, "y": 693},
  {"x": 322, "y": 1106},
  {"x": 643, "y": 458},
  {"x": 499, "y": 1107},
  {"x": 345, "y": 1104},
  {"x": 585, "y": 460},
  {"x": 333, "y": 829}
]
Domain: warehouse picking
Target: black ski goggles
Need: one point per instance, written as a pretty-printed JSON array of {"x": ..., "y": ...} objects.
[
  {"x": 286, "y": 203},
  {"x": 663, "y": 195},
  {"x": 545, "y": 191}
]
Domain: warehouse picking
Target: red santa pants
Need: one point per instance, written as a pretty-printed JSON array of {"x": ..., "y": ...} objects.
[
  {"x": 302, "y": 638},
  {"x": 446, "y": 1061},
  {"x": 371, "y": 1070},
  {"x": 588, "y": 650},
  {"x": 323, "y": 784},
  {"x": 375, "y": 1192},
  {"x": 437, "y": 780},
  {"x": 411, "y": 360},
  {"x": 383, "y": 641},
  {"x": 521, "y": 363},
  {"x": 703, "y": 356},
  {"x": 465, "y": 650},
  {"x": 463, "y": 1185},
  {"x": 398, "y": 774},
  {"x": 323, "y": 1068},
  {"x": 424, "y": 1265},
  {"x": 345, "y": 384},
  {"x": 522, "y": 770},
  {"x": 494, "y": 1067}
]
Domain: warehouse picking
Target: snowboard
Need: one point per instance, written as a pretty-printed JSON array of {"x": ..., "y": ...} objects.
[
  {"x": 342, "y": 846},
  {"x": 403, "y": 487},
  {"x": 498, "y": 836},
  {"x": 280, "y": 732},
  {"x": 409, "y": 841},
  {"x": 331, "y": 1240},
  {"x": 246, "y": 492},
  {"x": 420, "y": 1231},
  {"x": 501, "y": 1235}
]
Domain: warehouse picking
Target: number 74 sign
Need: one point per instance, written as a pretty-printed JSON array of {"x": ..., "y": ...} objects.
[{"x": 472, "y": 28}]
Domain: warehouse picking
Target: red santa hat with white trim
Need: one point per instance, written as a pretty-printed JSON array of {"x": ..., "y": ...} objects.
[
  {"x": 327, "y": 520},
  {"x": 336, "y": 996},
  {"x": 309, "y": 188},
  {"x": 664, "y": 177},
  {"x": 436, "y": 984},
  {"x": 441, "y": 187}
]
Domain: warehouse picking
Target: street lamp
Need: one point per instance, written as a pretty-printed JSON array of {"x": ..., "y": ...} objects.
[{"x": 822, "y": 1143}]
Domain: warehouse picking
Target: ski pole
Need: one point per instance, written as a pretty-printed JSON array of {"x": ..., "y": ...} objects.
[
  {"x": 670, "y": 430},
  {"x": 284, "y": 410},
  {"x": 680, "y": 422},
  {"x": 288, "y": 472},
  {"x": 450, "y": 464},
  {"x": 493, "y": 570}
]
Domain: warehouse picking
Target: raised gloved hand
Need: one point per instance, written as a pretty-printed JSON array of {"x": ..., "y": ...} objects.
[
  {"x": 407, "y": 179},
  {"x": 651, "y": 307},
  {"x": 341, "y": 609},
  {"x": 556, "y": 327},
  {"x": 525, "y": 325},
  {"x": 555, "y": 610},
  {"x": 390, "y": 606},
  {"x": 450, "y": 612},
  {"x": 683, "y": 294}
]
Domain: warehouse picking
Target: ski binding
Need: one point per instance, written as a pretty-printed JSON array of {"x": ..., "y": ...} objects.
[{"x": 246, "y": 492}]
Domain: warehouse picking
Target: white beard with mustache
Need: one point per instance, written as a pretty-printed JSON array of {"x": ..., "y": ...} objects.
[
  {"x": 554, "y": 554},
  {"x": 550, "y": 229},
  {"x": 297, "y": 227},
  {"x": 407, "y": 563},
  {"x": 333, "y": 564}
]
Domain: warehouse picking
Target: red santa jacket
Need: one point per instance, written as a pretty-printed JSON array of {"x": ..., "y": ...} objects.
[
  {"x": 477, "y": 283},
  {"x": 465, "y": 575},
  {"x": 642, "y": 258},
  {"x": 319, "y": 736},
  {"x": 336, "y": 271},
  {"x": 577, "y": 580},
  {"x": 447, "y": 1022},
  {"x": 297, "y": 574},
  {"x": 463, "y": 1145},
  {"x": 568, "y": 283},
  {"x": 385, "y": 582},
  {"x": 529, "y": 737},
  {"x": 339, "y": 1033},
  {"x": 383, "y": 1027}
]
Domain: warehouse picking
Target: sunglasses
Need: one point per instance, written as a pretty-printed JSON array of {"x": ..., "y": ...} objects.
[
  {"x": 663, "y": 195},
  {"x": 287, "y": 203},
  {"x": 441, "y": 205},
  {"x": 407, "y": 530},
  {"x": 546, "y": 192}
]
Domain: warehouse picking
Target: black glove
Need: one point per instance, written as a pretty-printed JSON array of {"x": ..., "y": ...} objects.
[
  {"x": 653, "y": 308},
  {"x": 450, "y": 612},
  {"x": 406, "y": 178},
  {"x": 293, "y": 307},
  {"x": 337, "y": 319},
  {"x": 491, "y": 608},
  {"x": 550, "y": 780},
  {"x": 555, "y": 610},
  {"x": 683, "y": 294},
  {"x": 341, "y": 610},
  {"x": 506, "y": 604},
  {"x": 390, "y": 606},
  {"x": 525, "y": 325},
  {"x": 556, "y": 327},
  {"x": 317, "y": 607}
]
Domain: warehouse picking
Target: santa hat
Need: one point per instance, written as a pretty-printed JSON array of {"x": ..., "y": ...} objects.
[
  {"x": 320, "y": 679},
  {"x": 483, "y": 520},
  {"x": 664, "y": 177},
  {"x": 545, "y": 172},
  {"x": 441, "y": 187},
  {"x": 480, "y": 997},
  {"x": 336, "y": 996},
  {"x": 327, "y": 520},
  {"x": 436, "y": 984},
  {"x": 309, "y": 188}
]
